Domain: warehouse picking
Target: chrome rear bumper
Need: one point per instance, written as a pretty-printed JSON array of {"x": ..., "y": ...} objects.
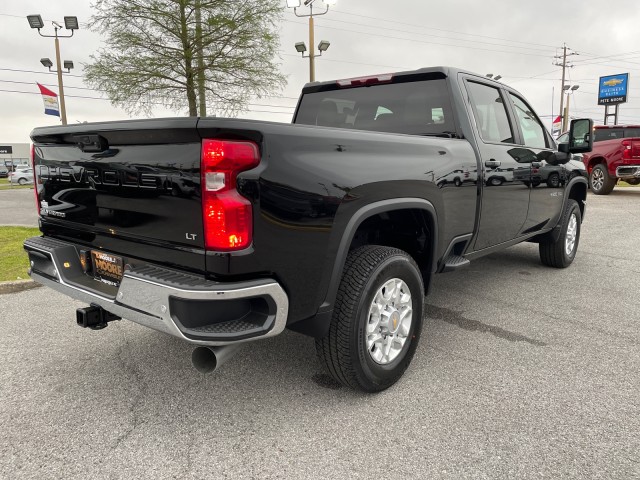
[
  {"x": 199, "y": 311},
  {"x": 628, "y": 171}
]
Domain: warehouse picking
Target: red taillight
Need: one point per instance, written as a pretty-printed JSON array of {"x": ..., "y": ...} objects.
[
  {"x": 631, "y": 149},
  {"x": 36, "y": 180},
  {"x": 227, "y": 215}
]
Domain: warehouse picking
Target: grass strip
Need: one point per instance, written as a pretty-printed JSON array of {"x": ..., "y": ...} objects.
[{"x": 13, "y": 259}]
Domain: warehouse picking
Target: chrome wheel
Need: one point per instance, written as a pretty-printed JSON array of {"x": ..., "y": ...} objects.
[
  {"x": 597, "y": 179},
  {"x": 570, "y": 238},
  {"x": 389, "y": 321}
]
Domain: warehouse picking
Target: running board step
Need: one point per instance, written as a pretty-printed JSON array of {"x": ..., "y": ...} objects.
[{"x": 454, "y": 262}]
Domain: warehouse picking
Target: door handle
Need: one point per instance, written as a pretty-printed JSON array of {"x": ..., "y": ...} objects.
[
  {"x": 536, "y": 164},
  {"x": 492, "y": 163}
]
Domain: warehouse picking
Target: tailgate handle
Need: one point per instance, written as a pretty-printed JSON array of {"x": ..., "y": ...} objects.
[{"x": 91, "y": 142}]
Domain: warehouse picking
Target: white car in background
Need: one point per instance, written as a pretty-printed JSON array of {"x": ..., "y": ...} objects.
[{"x": 21, "y": 176}]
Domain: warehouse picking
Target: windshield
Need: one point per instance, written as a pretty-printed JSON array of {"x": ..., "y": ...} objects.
[{"x": 415, "y": 108}]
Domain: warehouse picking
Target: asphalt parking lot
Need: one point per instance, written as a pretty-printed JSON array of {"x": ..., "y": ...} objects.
[
  {"x": 523, "y": 372},
  {"x": 18, "y": 207}
]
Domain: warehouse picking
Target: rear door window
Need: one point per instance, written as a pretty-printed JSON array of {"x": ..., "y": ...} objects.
[{"x": 415, "y": 108}]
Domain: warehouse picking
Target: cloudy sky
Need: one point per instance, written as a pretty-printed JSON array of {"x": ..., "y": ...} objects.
[{"x": 517, "y": 40}]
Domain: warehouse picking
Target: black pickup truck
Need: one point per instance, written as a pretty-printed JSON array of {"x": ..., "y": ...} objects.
[{"x": 221, "y": 231}]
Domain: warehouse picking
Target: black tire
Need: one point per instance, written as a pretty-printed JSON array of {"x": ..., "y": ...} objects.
[
  {"x": 554, "y": 253},
  {"x": 553, "y": 181},
  {"x": 495, "y": 181},
  {"x": 343, "y": 350},
  {"x": 599, "y": 180},
  {"x": 633, "y": 181},
  {"x": 22, "y": 181},
  {"x": 457, "y": 182}
]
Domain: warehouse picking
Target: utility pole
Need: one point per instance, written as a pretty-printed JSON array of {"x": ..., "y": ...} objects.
[
  {"x": 564, "y": 66},
  {"x": 312, "y": 50},
  {"x": 301, "y": 46},
  {"x": 70, "y": 23}
]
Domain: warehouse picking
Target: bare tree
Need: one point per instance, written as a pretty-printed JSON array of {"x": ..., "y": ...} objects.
[{"x": 182, "y": 53}]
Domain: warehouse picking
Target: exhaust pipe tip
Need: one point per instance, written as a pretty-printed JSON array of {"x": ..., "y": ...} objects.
[
  {"x": 204, "y": 359},
  {"x": 208, "y": 359}
]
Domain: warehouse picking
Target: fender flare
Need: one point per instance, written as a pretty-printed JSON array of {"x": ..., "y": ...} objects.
[
  {"x": 555, "y": 233},
  {"x": 352, "y": 226}
]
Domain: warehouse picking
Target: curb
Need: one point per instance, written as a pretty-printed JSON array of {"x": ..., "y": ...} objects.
[{"x": 17, "y": 286}]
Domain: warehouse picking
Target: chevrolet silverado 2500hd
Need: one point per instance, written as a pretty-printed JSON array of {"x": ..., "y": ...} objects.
[{"x": 221, "y": 231}]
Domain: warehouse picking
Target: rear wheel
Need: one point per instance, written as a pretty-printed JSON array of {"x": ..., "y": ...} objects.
[
  {"x": 633, "y": 181},
  {"x": 600, "y": 181},
  {"x": 22, "y": 181},
  {"x": 377, "y": 319},
  {"x": 561, "y": 252}
]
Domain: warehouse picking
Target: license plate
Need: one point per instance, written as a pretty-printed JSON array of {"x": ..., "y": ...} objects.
[{"x": 107, "y": 268}]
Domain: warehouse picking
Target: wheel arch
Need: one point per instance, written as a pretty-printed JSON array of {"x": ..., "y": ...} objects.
[
  {"x": 577, "y": 189},
  {"x": 595, "y": 161},
  {"x": 318, "y": 325}
]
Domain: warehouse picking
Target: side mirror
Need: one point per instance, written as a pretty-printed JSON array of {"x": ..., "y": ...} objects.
[{"x": 580, "y": 136}]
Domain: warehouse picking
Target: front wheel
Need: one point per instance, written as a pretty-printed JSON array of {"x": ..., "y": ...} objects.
[
  {"x": 633, "y": 181},
  {"x": 377, "y": 319},
  {"x": 561, "y": 252}
]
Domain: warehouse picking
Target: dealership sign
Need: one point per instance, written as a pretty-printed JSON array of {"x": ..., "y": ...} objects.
[
  {"x": 613, "y": 89},
  {"x": 6, "y": 149}
]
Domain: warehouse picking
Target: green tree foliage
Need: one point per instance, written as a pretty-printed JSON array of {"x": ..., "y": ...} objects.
[{"x": 153, "y": 54}]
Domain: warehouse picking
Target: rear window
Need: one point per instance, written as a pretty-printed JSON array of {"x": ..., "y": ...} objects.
[
  {"x": 415, "y": 108},
  {"x": 603, "y": 134}
]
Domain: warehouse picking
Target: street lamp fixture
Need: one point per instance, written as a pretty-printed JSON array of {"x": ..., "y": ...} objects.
[
  {"x": 565, "y": 115},
  {"x": 323, "y": 46},
  {"x": 35, "y": 21},
  {"x": 70, "y": 23},
  {"x": 300, "y": 46}
]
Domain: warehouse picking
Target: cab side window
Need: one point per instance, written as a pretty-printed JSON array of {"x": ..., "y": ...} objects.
[
  {"x": 490, "y": 112},
  {"x": 532, "y": 130}
]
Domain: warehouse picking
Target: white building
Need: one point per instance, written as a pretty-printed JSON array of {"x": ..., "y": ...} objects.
[{"x": 14, "y": 154}]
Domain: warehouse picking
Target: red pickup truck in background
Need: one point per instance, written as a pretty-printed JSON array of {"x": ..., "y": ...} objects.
[{"x": 615, "y": 156}]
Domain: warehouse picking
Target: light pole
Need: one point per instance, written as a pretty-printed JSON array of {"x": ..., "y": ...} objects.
[
  {"x": 300, "y": 46},
  {"x": 70, "y": 23},
  {"x": 565, "y": 117}
]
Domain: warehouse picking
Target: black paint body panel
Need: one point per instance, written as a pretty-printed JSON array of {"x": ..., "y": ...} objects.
[{"x": 310, "y": 183}]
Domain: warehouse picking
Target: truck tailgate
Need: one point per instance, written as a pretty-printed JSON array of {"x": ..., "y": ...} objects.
[{"x": 130, "y": 187}]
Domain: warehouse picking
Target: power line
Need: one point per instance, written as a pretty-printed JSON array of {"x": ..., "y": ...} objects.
[
  {"x": 438, "y": 29},
  {"x": 350, "y": 62},
  {"x": 46, "y": 85},
  {"x": 152, "y": 103},
  {"x": 431, "y": 35},
  {"x": 377, "y": 35},
  {"x": 33, "y": 71}
]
